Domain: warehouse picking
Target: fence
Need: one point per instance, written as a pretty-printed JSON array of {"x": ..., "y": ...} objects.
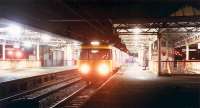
[{"x": 180, "y": 67}]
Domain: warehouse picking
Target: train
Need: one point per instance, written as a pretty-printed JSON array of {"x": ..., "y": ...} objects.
[{"x": 98, "y": 61}]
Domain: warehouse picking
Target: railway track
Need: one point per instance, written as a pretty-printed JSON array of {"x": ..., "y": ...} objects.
[
  {"x": 14, "y": 87},
  {"x": 8, "y": 98},
  {"x": 69, "y": 93},
  {"x": 34, "y": 95},
  {"x": 79, "y": 97}
]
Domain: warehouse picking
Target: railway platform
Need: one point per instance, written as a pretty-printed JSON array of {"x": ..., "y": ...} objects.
[
  {"x": 10, "y": 75},
  {"x": 134, "y": 87}
]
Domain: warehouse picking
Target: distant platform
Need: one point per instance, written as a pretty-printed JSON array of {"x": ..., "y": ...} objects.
[{"x": 9, "y": 74}]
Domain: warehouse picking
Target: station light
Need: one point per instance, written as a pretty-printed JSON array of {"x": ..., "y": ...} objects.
[
  {"x": 14, "y": 29},
  {"x": 137, "y": 30},
  {"x": 95, "y": 43}
]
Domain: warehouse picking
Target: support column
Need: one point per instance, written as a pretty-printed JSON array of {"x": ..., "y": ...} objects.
[
  {"x": 38, "y": 51},
  {"x": 69, "y": 54},
  {"x": 4, "y": 50},
  {"x": 159, "y": 53},
  {"x": 150, "y": 57},
  {"x": 150, "y": 52},
  {"x": 187, "y": 51},
  {"x": 167, "y": 45}
]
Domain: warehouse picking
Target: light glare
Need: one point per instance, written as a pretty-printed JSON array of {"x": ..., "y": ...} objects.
[
  {"x": 103, "y": 69},
  {"x": 85, "y": 68},
  {"x": 18, "y": 54},
  {"x": 10, "y": 53}
]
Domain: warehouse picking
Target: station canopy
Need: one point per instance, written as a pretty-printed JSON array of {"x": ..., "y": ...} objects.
[
  {"x": 181, "y": 28},
  {"x": 17, "y": 34},
  {"x": 127, "y": 24}
]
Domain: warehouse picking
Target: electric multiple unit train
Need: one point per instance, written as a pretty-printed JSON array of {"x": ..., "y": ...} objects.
[{"x": 99, "y": 61}]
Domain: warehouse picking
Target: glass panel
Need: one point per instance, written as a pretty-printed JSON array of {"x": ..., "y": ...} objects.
[{"x": 95, "y": 54}]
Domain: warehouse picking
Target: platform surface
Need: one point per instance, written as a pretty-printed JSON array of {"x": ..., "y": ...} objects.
[
  {"x": 9, "y": 75},
  {"x": 134, "y": 88}
]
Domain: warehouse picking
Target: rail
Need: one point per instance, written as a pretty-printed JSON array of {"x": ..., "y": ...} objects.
[
  {"x": 33, "y": 97},
  {"x": 15, "y": 86},
  {"x": 79, "y": 97},
  {"x": 15, "y": 96}
]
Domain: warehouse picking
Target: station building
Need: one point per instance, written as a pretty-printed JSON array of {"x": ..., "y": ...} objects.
[
  {"x": 170, "y": 49},
  {"x": 22, "y": 46}
]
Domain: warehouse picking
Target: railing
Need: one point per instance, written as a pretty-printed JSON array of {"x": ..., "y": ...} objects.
[
  {"x": 180, "y": 67},
  {"x": 23, "y": 63},
  {"x": 18, "y": 64}
]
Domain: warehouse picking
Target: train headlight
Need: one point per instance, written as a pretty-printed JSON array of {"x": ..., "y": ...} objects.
[
  {"x": 84, "y": 69},
  {"x": 103, "y": 69}
]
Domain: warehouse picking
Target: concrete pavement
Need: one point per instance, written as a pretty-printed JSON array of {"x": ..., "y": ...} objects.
[{"x": 135, "y": 88}]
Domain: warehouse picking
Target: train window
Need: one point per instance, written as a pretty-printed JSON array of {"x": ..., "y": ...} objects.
[
  {"x": 94, "y": 54},
  {"x": 101, "y": 54}
]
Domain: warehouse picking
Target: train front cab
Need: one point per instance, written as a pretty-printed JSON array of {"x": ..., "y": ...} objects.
[{"x": 96, "y": 62}]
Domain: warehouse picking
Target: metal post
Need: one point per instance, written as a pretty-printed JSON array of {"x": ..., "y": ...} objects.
[
  {"x": 159, "y": 53},
  {"x": 187, "y": 51},
  {"x": 4, "y": 50},
  {"x": 150, "y": 57},
  {"x": 167, "y": 54},
  {"x": 150, "y": 52},
  {"x": 38, "y": 51}
]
